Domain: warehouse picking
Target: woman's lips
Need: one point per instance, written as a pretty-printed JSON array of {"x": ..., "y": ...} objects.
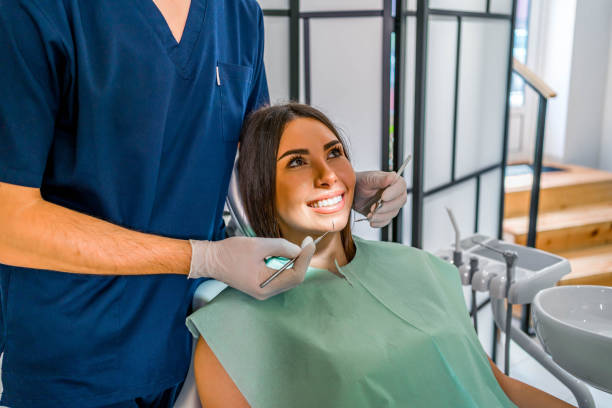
[{"x": 330, "y": 208}]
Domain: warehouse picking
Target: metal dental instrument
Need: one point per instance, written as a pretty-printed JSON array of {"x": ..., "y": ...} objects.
[
  {"x": 457, "y": 257},
  {"x": 510, "y": 257},
  {"x": 465, "y": 273},
  {"x": 377, "y": 197},
  {"x": 292, "y": 261}
]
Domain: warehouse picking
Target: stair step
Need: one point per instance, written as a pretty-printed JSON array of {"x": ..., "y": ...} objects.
[
  {"x": 572, "y": 228},
  {"x": 574, "y": 186},
  {"x": 590, "y": 266}
]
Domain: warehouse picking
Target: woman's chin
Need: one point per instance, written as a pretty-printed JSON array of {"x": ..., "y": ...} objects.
[
  {"x": 332, "y": 223},
  {"x": 316, "y": 224},
  {"x": 316, "y": 230}
]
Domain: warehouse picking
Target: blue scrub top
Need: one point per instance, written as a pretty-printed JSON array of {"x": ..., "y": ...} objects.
[{"x": 109, "y": 116}]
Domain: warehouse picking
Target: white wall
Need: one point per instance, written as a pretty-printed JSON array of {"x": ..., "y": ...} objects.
[
  {"x": 605, "y": 154},
  {"x": 554, "y": 29},
  {"x": 574, "y": 41},
  {"x": 588, "y": 82}
]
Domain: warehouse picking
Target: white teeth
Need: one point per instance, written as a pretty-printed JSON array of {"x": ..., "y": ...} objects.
[{"x": 327, "y": 202}]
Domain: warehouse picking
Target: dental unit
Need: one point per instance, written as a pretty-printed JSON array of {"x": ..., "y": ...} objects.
[
  {"x": 510, "y": 258},
  {"x": 566, "y": 318},
  {"x": 465, "y": 274}
]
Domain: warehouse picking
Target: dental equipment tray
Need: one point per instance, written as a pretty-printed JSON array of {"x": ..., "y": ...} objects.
[{"x": 535, "y": 269}]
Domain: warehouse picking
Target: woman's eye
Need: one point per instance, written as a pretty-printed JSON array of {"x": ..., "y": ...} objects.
[
  {"x": 296, "y": 162},
  {"x": 335, "y": 152}
]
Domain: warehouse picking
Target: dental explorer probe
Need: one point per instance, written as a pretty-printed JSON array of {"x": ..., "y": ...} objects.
[
  {"x": 377, "y": 197},
  {"x": 292, "y": 261}
]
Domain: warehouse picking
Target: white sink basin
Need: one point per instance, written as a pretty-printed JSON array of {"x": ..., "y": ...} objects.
[{"x": 574, "y": 323}]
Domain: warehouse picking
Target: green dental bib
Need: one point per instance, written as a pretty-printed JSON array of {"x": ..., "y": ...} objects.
[{"x": 394, "y": 333}]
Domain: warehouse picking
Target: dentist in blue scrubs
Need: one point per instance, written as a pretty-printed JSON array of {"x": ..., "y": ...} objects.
[{"x": 119, "y": 122}]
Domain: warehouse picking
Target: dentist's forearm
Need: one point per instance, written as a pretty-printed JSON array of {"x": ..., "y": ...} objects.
[{"x": 35, "y": 233}]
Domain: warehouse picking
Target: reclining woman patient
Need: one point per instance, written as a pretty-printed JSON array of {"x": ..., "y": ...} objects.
[{"x": 374, "y": 324}]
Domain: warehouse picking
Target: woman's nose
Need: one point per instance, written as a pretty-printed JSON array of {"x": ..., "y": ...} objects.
[{"x": 325, "y": 176}]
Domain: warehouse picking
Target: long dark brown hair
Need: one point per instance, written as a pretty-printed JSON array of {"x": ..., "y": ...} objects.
[{"x": 259, "y": 141}]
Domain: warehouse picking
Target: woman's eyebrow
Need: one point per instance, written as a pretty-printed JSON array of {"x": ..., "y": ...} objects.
[
  {"x": 330, "y": 144},
  {"x": 305, "y": 151},
  {"x": 295, "y": 151}
]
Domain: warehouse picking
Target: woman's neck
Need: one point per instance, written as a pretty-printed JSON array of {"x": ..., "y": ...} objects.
[{"x": 329, "y": 250}]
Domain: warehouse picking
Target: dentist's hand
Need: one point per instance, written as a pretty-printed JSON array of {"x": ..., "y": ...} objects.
[
  {"x": 239, "y": 262},
  {"x": 393, "y": 198}
]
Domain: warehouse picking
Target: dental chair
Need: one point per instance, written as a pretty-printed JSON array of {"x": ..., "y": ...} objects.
[{"x": 238, "y": 226}]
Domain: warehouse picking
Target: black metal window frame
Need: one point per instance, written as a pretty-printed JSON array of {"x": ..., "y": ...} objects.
[
  {"x": 394, "y": 22},
  {"x": 418, "y": 194}
]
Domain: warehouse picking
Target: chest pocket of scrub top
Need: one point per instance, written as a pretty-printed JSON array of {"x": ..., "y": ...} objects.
[{"x": 234, "y": 82}]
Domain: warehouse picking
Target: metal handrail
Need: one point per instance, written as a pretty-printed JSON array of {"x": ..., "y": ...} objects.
[
  {"x": 544, "y": 92},
  {"x": 532, "y": 79}
]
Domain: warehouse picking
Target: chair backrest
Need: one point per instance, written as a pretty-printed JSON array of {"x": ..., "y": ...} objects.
[{"x": 235, "y": 204}]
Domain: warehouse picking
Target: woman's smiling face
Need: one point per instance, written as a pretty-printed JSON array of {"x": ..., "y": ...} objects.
[{"x": 315, "y": 182}]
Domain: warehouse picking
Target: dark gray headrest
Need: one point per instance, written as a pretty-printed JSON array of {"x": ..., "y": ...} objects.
[{"x": 236, "y": 206}]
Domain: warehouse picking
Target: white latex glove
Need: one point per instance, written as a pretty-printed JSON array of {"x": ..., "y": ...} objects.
[
  {"x": 240, "y": 263},
  {"x": 394, "y": 196}
]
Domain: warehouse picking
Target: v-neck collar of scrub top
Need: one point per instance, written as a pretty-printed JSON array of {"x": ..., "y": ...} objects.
[{"x": 179, "y": 52}]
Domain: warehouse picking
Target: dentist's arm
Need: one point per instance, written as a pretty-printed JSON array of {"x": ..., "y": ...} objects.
[
  {"x": 35, "y": 233},
  {"x": 526, "y": 396}
]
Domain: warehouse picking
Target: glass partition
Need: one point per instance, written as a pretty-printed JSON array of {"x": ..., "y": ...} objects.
[
  {"x": 501, "y": 6},
  {"x": 440, "y": 106},
  {"x": 276, "y": 57},
  {"x": 407, "y": 109},
  {"x": 488, "y": 203},
  {"x": 340, "y": 5},
  {"x": 462, "y": 83},
  {"x": 459, "y": 5},
  {"x": 461, "y": 200},
  {"x": 481, "y": 108}
]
